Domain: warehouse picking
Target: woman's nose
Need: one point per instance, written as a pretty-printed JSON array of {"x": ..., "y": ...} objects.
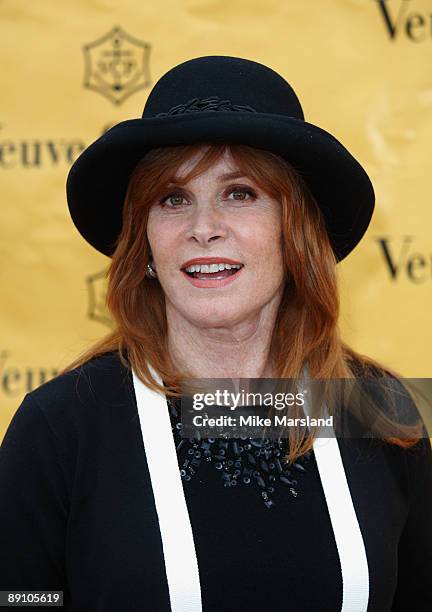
[{"x": 206, "y": 223}]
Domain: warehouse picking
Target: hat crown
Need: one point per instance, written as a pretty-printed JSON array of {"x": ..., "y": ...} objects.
[
  {"x": 220, "y": 82},
  {"x": 258, "y": 109}
]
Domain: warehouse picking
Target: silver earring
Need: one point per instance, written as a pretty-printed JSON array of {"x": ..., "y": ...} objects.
[{"x": 150, "y": 272}]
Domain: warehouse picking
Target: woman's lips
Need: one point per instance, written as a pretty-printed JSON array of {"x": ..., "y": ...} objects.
[{"x": 212, "y": 283}]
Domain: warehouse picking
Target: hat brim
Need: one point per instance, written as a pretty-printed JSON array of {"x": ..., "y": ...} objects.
[{"x": 98, "y": 179}]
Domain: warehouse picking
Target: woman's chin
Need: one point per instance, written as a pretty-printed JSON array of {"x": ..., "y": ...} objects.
[{"x": 213, "y": 317}]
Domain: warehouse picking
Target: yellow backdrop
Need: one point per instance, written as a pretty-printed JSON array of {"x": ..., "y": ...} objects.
[{"x": 362, "y": 71}]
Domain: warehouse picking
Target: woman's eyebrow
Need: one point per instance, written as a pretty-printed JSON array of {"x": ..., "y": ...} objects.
[
  {"x": 231, "y": 175},
  {"x": 227, "y": 176}
]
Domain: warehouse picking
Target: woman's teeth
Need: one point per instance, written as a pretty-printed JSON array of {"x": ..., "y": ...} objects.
[
  {"x": 214, "y": 271},
  {"x": 211, "y": 268}
]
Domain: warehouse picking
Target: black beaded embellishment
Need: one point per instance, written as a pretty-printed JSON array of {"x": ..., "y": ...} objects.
[
  {"x": 242, "y": 460},
  {"x": 213, "y": 103}
]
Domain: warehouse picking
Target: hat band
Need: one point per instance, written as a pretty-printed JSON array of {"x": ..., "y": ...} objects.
[{"x": 214, "y": 103}]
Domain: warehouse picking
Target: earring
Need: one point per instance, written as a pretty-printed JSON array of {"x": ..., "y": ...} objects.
[{"x": 151, "y": 272}]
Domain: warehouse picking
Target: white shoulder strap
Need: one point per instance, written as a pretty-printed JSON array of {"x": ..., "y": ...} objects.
[
  {"x": 181, "y": 564},
  {"x": 348, "y": 537}
]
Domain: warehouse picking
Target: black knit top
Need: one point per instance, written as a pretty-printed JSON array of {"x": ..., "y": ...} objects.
[{"x": 78, "y": 514}]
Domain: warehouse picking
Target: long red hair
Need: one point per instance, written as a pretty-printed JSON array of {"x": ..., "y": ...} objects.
[{"x": 306, "y": 328}]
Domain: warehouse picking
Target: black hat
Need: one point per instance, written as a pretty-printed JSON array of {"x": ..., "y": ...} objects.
[{"x": 220, "y": 99}]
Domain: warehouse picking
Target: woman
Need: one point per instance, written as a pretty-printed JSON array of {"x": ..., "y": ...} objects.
[{"x": 101, "y": 497}]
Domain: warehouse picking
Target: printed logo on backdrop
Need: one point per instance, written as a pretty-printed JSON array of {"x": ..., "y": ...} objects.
[
  {"x": 37, "y": 153},
  {"x": 116, "y": 65},
  {"x": 402, "y": 19},
  {"x": 41, "y": 153},
  {"x": 16, "y": 381},
  {"x": 96, "y": 291},
  {"x": 402, "y": 260}
]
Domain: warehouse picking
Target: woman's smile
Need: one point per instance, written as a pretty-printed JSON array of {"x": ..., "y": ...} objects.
[
  {"x": 213, "y": 280},
  {"x": 214, "y": 272}
]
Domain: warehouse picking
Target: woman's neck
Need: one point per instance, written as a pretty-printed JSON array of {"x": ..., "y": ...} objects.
[{"x": 240, "y": 351}]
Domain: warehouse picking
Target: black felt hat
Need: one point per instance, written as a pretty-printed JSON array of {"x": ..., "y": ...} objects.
[{"x": 216, "y": 99}]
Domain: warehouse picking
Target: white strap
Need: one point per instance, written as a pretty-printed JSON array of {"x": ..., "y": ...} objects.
[
  {"x": 346, "y": 528},
  {"x": 181, "y": 563},
  {"x": 349, "y": 541}
]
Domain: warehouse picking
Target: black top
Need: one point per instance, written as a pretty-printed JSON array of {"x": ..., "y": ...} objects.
[{"x": 77, "y": 513}]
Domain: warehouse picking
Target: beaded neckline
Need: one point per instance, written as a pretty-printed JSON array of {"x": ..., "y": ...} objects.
[{"x": 254, "y": 462}]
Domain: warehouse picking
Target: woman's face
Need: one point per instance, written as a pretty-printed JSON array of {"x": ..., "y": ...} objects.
[{"x": 229, "y": 219}]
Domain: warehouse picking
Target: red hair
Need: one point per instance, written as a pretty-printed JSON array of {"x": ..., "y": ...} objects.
[{"x": 306, "y": 327}]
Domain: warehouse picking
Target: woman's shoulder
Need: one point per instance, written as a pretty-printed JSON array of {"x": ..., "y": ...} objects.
[
  {"x": 388, "y": 393},
  {"x": 80, "y": 393},
  {"x": 102, "y": 370},
  {"x": 101, "y": 366}
]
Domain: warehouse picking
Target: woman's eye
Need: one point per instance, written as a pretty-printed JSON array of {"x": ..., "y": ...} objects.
[
  {"x": 242, "y": 190},
  {"x": 175, "y": 196}
]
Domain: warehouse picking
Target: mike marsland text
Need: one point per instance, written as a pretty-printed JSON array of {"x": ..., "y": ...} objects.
[{"x": 257, "y": 421}]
